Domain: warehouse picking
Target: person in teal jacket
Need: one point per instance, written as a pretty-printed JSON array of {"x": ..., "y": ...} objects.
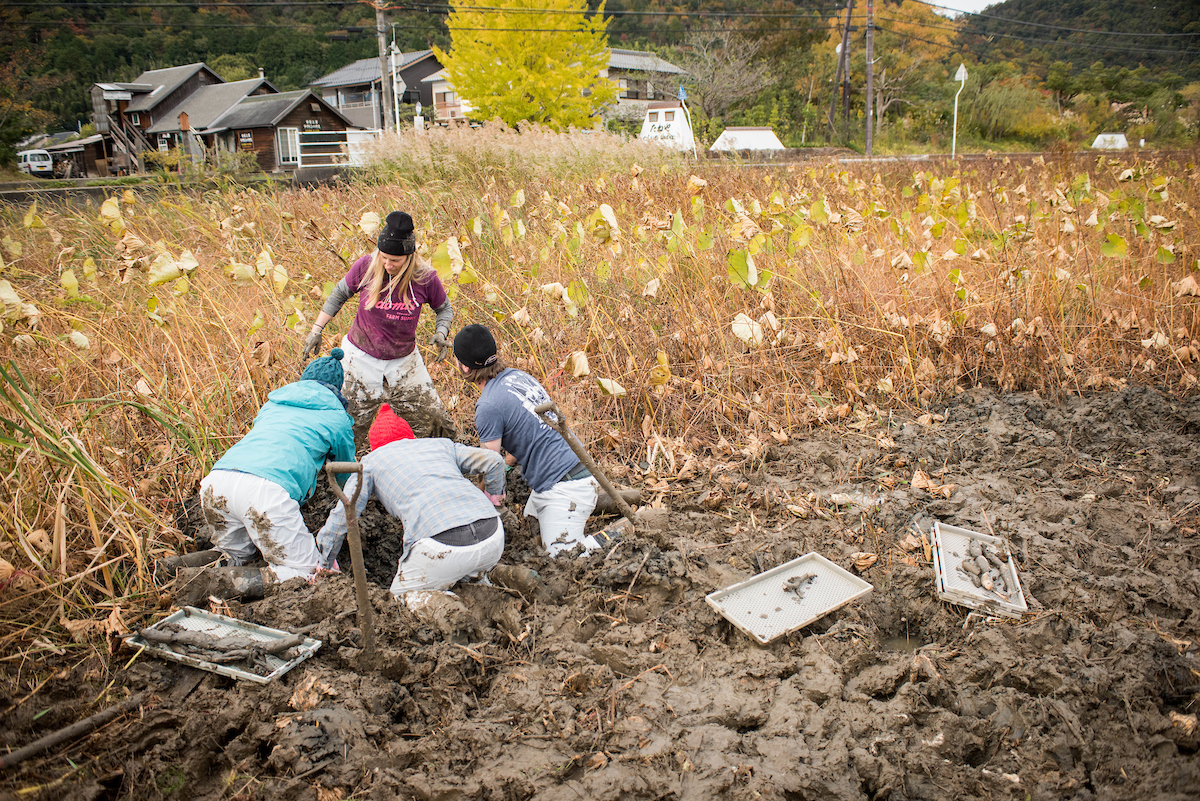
[{"x": 251, "y": 499}]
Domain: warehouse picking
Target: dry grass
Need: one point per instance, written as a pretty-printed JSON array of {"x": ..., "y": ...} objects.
[
  {"x": 889, "y": 287},
  {"x": 470, "y": 157}
]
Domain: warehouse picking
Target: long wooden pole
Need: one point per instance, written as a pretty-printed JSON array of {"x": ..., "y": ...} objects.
[
  {"x": 843, "y": 67},
  {"x": 870, "y": 72},
  {"x": 559, "y": 423},
  {"x": 366, "y": 616},
  {"x": 385, "y": 83},
  {"x": 71, "y": 732}
]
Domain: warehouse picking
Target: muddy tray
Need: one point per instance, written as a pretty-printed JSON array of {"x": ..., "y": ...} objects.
[
  {"x": 764, "y": 608},
  {"x": 193, "y": 619},
  {"x": 954, "y": 585}
]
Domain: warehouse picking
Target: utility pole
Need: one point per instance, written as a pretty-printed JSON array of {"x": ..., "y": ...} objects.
[
  {"x": 385, "y": 85},
  {"x": 870, "y": 72},
  {"x": 843, "y": 66}
]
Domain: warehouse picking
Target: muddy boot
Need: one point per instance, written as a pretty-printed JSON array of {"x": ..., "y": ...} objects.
[
  {"x": 166, "y": 568},
  {"x": 195, "y": 585},
  {"x": 605, "y": 505},
  {"x": 522, "y": 579},
  {"x": 444, "y": 611},
  {"x": 609, "y": 537}
]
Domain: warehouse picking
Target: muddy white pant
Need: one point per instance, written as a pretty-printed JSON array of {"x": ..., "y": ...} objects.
[
  {"x": 247, "y": 515},
  {"x": 432, "y": 565},
  {"x": 562, "y": 512},
  {"x": 366, "y": 375}
]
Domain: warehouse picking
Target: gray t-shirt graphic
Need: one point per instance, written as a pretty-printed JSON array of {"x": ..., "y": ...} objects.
[{"x": 505, "y": 412}]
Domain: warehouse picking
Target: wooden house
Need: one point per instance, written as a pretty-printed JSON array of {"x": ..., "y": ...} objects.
[
  {"x": 276, "y": 126},
  {"x": 200, "y": 109}
]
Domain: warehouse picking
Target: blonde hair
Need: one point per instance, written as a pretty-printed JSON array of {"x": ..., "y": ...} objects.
[{"x": 417, "y": 270}]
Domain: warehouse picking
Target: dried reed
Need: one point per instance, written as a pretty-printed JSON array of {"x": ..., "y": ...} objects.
[{"x": 734, "y": 307}]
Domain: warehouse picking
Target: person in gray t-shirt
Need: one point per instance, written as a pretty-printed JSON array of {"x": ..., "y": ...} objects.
[{"x": 564, "y": 491}]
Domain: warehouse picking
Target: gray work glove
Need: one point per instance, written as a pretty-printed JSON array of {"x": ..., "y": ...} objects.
[
  {"x": 312, "y": 346},
  {"x": 439, "y": 341}
]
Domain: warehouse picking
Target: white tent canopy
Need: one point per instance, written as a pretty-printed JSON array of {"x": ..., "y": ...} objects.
[
  {"x": 1110, "y": 141},
  {"x": 747, "y": 139}
]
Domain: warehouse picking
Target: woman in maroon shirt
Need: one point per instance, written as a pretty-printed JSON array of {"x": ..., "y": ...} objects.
[{"x": 393, "y": 283}]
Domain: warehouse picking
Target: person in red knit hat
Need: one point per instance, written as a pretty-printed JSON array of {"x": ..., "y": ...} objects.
[{"x": 452, "y": 529}]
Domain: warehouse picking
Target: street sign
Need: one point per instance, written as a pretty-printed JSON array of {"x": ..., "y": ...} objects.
[{"x": 961, "y": 77}]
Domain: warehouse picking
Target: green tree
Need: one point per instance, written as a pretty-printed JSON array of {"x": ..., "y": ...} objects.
[
  {"x": 19, "y": 90},
  {"x": 233, "y": 67},
  {"x": 539, "y": 64}
]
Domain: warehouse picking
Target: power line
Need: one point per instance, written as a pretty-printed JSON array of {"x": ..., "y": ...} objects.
[
  {"x": 1044, "y": 25},
  {"x": 334, "y": 28},
  {"x": 1156, "y": 80},
  {"x": 427, "y": 8},
  {"x": 1058, "y": 42}
]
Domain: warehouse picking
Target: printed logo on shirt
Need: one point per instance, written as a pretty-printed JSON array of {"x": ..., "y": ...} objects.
[
  {"x": 390, "y": 305},
  {"x": 530, "y": 394}
]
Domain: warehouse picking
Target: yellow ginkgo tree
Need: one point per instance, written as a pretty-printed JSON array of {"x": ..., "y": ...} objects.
[{"x": 537, "y": 62}]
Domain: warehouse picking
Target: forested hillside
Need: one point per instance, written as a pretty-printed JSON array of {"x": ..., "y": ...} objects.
[{"x": 1039, "y": 72}]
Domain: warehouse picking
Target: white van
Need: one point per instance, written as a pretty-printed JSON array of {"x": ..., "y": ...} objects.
[{"x": 36, "y": 162}]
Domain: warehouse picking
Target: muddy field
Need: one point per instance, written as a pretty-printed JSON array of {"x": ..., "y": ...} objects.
[{"x": 611, "y": 678}]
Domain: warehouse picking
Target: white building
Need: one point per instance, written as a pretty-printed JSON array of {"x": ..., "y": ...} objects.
[
  {"x": 1110, "y": 141},
  {"x": 747, "y": 138},
  {"x": 667, "y": 121}
]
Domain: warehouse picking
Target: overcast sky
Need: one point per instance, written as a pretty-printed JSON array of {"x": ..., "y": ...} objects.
[{"x": 966, "y": 5}]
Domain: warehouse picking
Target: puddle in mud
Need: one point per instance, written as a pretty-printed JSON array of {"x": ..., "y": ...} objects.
[{"x": 903, "y": 644}]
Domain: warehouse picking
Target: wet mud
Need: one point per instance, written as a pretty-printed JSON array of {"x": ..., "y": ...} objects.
[
  {"x": 610, "y": 677},
  {"x": 420, "y": 407}
]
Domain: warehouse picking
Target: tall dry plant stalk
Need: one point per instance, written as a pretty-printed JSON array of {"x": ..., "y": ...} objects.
[
  {"x": 670, "y": 309},
  {"x": 472, "y": 156}
]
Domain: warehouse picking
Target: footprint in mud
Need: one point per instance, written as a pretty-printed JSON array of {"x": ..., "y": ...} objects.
[{"x": 311, "y": 738}]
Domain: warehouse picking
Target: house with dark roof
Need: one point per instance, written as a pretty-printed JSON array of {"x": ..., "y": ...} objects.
[
  {"x": 277, "y": 126},
  {"x": 355, "y": 90},
  {"x": 641, "y": 77},
  {"x": 200, "y": 109},
  {"x": 171, "y": 86},
  {"x": 123, "y": 111}
]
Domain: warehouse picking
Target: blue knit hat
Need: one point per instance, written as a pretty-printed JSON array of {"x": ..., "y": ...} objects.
[{"x": 327, "y": 369}]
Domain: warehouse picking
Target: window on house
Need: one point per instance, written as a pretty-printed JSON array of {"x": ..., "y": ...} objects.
[
  {"x": 653, "y": 116},
  {"x": 668, "y": 116},
  {"x": 135, "y": 119},
  {"x": 289, "y": 145}
]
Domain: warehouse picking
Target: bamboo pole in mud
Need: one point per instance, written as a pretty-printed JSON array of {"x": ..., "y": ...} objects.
[
  {"x": 71, "y": 732},
  {"x": 559, "y": 424},
  {"x": 366, "y": 621}
]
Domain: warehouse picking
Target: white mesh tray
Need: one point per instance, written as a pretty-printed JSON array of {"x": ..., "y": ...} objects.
[
  {"x": 764, "y": 609},
  {"x": 949, "y": 549},
  {"x": 193, "y": 619}
]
